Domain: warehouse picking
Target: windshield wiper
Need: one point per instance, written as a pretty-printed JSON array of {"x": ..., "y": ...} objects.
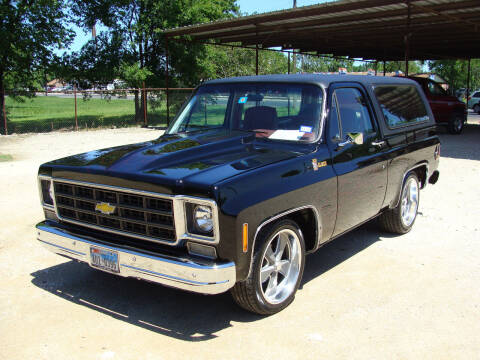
[
  {"x": 199, "y": 128},
  {"x": 253, "y": 131}
]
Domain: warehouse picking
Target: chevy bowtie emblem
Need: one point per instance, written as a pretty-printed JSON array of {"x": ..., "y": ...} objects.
[{"x": 105, "y": 208}]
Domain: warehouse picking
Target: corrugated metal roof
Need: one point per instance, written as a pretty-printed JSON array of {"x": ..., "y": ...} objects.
[{"x": 369, "y": 29}]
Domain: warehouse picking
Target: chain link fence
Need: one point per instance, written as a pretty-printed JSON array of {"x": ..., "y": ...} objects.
[{"x": 85, "y": 109}]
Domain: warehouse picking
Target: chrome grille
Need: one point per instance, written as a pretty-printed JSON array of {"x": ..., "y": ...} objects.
[{"x": 137, "y": 215}]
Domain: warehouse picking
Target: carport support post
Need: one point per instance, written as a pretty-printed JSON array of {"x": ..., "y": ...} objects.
[
  {"x": 289, "y": 62},
  {"x": 406, "y": 54},
  {"x": 407, "y": 38},
  {"x": 384, "y": 67},
  {"x": 468, "y": 84},
  {"x": 166, "y": 80},
  {"x": 376, "y": 67},
  {"x": 256, "y": 59}
]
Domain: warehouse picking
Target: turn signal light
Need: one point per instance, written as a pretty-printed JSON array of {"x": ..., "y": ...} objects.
[{"x": 245, "y": 237}]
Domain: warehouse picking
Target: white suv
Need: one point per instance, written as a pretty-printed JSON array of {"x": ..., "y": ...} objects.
[{"x": 474, "y": 101}]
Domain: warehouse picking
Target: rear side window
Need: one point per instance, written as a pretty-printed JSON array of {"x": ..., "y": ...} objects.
[
  {"x": 436, "y": 89},
  {"x": 401, "y": 105}
]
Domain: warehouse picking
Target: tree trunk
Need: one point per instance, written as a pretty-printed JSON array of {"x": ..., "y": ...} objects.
[
  {"x": 143, "y": 104},
  {"x": 138, "y": 109},
  {"x": 2, "y": 101}
]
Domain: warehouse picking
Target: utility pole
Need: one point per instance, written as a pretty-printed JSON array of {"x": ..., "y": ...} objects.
[{"x": 294, "y": 55}]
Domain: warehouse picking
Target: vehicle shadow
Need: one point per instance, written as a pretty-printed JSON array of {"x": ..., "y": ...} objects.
[
  {"x": 341, "y": 249},
  {"x": 166, "y": 311},
  {"x": 463, "y": 146}
]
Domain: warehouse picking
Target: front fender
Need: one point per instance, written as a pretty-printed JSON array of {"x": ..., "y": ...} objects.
[{"x": 266, "y": 193}]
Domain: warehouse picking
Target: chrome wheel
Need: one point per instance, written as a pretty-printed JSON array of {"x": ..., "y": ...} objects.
[
  {"x": 409, "y": 205},
  {"x": 276, "y": 271},
  {"x": 280, "y": 266},
  {"x": 458, "y": 124}
]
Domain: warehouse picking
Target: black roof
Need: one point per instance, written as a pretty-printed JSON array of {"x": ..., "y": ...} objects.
[{"x": 316, "y": 79}]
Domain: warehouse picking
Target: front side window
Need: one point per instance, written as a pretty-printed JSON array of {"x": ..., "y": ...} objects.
[
  {"x": 334, "y": 126},
  {"x": 401, "y": 105},
  {"x": 353, "y": 110},
  {"x": 273, "y": 111}
]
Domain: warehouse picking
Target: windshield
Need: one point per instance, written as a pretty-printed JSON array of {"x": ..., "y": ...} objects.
[{"x": 270, "y": 110}]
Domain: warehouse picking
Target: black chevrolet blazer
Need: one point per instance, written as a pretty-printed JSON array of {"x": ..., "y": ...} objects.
[{"x": 253, "y": 173}]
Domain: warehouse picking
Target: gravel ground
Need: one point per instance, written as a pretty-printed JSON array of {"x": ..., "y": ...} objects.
[{"x": 367, "y": 295}]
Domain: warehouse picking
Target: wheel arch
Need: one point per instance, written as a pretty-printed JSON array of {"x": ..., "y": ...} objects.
[
  {"x": 308, "y": 219},
  {"x": 421, "y": 170}
]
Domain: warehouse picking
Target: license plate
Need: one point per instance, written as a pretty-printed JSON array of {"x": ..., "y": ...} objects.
[{"x": 104, "y": 259}]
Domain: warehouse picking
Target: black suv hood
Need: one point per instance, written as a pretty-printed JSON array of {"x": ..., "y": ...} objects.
[{"x": 200, "y": 159}]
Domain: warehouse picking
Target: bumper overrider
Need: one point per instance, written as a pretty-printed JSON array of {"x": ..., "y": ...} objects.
[{"x": 200, "y": 276}]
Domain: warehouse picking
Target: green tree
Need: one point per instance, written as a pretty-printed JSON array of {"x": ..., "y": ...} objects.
[
  {"x": 96, "y": 63},
  {"x": 30, "y": 32},
  {"x": 414, "y": 67},
  {"x": 311, "y": 64},
  {"x": 221, "y": 62},
  {"x": 455, "y": 72},
  {"x": 136, "y": 27}
]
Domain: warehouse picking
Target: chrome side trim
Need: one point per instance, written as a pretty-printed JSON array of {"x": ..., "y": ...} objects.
[
  {"x": 200, "y": 276},
  {"x": 423, "y": 163},
  {"x": 178, "y": 210},
  {"x": 280, "y": 215}
]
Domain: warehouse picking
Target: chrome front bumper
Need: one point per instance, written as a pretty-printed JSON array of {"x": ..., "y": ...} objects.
[{"x": 205, "y": 277}]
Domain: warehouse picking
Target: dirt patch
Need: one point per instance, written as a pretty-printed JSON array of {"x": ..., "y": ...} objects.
[{"x": 366, "y": 295}]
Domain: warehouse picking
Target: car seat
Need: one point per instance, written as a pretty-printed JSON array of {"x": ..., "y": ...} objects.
[{"x": 260, "y": 117}]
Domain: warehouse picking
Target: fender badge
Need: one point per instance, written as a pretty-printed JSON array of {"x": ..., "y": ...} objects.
[
  {"x": 105, "y": 208},
  {"x": 316, "y": 165}
]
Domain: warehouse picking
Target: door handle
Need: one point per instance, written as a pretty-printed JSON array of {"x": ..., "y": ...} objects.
[
  {"x": 352, "y": 138},
  {"x": 378, "y": 143},
  {"x": 345, "y": 143}
]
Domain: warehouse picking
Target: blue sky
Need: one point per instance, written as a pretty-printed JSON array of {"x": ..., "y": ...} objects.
[
  {"x": 260, "y": 6},
  {"x": 246, "y": 6}
]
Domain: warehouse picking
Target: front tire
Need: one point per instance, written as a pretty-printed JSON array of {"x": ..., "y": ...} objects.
[
  {"x": 476, "y": 108},
  {"x": 277, "y": 270},
  {"x": 400, "y": 219}
]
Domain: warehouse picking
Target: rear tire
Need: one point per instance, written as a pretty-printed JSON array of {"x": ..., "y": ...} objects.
[
  {"x": 277, "y": 270},
  {"x": 456, "y": 123},
  {"x": 400, "y": 219}
]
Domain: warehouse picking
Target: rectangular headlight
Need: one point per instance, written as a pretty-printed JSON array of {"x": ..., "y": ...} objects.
[
  {"x": 46, "y": 191},
  {"x": 200, "y": 219}
]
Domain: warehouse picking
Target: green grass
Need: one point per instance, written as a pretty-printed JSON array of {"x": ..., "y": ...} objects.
[
  {"x": 5, "y": 157},
  {"x": 47, "y": 113}
]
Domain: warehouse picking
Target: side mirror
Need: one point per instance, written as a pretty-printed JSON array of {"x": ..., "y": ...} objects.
[
  {"x": 352, "y": 138},
  {"x": 357, "y": 138}
]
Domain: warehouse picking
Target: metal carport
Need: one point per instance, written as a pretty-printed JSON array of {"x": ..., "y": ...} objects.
[{"x": 378, "y": 30}]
